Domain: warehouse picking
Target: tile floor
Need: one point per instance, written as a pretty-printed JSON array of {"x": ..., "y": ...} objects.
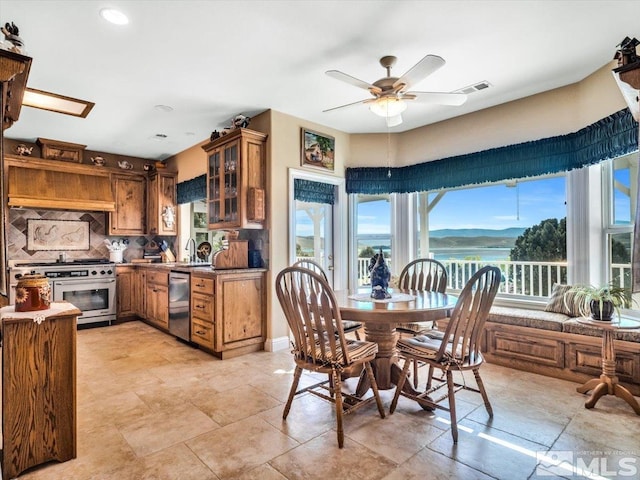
[{"x": 150, "y": 407}]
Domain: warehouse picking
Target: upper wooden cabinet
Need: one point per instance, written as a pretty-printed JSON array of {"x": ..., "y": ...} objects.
[
  {"x": 236, "y": 180},
  {"x": 130, "y": 195},
  {"x": 162, "y": 206}
]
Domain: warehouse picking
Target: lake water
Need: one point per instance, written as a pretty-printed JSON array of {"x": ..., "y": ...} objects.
[{"x": 485, "y": 254}]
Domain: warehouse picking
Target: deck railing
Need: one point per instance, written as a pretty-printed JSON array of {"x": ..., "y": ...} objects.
[{"x": 534, "y": 279}]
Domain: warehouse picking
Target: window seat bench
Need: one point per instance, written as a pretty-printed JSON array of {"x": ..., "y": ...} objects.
[{"x": 556, "y": 345}]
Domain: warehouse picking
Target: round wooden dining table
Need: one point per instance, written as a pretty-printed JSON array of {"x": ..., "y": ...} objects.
[{"x": 380, "y": 319}]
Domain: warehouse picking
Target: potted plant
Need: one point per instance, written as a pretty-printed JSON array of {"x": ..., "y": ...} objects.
[{"x": 602, "y": 301}]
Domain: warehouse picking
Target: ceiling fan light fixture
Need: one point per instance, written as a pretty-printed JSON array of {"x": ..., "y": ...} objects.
[
  {"x": 388, "y": 107},
  {"x": 114, "y": 16}
]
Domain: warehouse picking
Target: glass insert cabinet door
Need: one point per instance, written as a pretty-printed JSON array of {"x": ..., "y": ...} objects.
[{"x": 223, "y": 184}]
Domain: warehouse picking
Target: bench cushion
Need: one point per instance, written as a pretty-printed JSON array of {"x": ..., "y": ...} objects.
[
  {"x": 527, "y": 318},
  {"x": 573, "y": 326}
]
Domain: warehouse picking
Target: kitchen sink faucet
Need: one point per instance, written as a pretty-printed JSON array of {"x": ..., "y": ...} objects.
[{"x": 192, "y": 251}]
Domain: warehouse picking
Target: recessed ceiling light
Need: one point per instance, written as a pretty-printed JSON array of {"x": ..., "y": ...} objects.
[
  {"x": 159, "y": 137},
  {"x": 164, "y": 108},
  {"x": 114, "y": 16}
]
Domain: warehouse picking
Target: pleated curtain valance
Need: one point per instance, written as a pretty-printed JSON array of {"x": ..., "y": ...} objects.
[
  {"x": 192, "y": 190},
  {"x": 610, "y": 137},
  {"x": 313, "y": 192}
]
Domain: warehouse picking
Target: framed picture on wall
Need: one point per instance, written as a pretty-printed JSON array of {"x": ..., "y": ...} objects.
[{"x": 318, "y": 150}]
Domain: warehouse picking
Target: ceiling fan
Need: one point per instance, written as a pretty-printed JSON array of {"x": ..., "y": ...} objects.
[{"x": 390, "y": 93}]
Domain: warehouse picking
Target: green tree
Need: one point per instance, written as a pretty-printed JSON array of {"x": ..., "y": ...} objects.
[
  {"x": 367, "y": 252},
  {"x": 546, "y": 242}
]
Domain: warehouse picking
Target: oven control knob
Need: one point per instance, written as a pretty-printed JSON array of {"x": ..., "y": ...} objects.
[
  {"x": 94, "y": 273},
  {"x": 18, "y": 276},
  {"x": 102, "y": 272},
  {"x": 109, "y": 272}
]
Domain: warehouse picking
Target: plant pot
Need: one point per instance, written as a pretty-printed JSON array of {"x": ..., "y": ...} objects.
[{"x": 607, "y": 310}]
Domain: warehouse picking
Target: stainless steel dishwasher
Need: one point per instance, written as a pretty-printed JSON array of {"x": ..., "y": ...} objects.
[{"x": 179, "y": 311}]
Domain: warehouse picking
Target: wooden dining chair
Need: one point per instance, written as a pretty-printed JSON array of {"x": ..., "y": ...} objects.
[
  {"x": 349, "y": 326},
  {"x": 320, "y": 345},
  {"x": 458, "y": 350},
  {"x": 427, "y": 275}
]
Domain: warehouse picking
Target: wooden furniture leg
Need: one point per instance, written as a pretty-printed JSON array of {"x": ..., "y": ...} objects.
[{"x": 607, "y": 384}]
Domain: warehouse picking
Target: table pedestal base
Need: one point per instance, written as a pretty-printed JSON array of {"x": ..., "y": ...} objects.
[
  {"x": 607, "y": 384},
  {"x": 385, "y": 367}
]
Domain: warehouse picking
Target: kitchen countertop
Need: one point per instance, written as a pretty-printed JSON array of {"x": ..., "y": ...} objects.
[{"x": 190, "y": 268}]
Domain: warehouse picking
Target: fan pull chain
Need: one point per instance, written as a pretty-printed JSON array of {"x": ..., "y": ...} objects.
[{"x": 388, "y": 146}]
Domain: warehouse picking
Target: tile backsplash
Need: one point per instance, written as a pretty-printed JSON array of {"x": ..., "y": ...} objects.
[{"x": 17, "y": 237}]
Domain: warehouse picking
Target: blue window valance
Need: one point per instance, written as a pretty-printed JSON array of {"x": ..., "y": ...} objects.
[
  {"x": 192, "y": 190},
  {"x": 315, "y": 192},
  {"x": 610, "y": 137}
]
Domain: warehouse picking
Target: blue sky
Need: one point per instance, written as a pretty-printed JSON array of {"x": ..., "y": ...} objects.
[{"x": 495, "y": 207}]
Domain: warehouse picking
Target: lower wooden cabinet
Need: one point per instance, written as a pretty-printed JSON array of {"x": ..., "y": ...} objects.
[
  {"x": 38, "y": 389},
  {"x": 228, "y": 312},
  {"x": 157, "y": 299},
  {"x": 125, "y": 281}
]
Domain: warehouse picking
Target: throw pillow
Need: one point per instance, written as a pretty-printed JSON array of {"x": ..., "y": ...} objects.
[{"x": 560, "y": 301}]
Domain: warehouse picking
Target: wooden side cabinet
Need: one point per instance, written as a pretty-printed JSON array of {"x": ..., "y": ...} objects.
[
  {"x": 139, "y": 292},
  {"x": 202, "y": 310},
  {"x": 130, "y": 194},
  {"x": 240, "y": 313},
  {"x": 162, "y": 204},
  {"x": 236, "y": 180},
  {"x": 38, "y": 388}
]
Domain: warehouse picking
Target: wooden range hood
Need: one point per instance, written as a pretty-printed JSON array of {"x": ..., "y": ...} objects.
[{"x": 55, "y": 185}]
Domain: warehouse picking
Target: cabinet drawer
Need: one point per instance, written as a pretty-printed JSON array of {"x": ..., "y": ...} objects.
[
  {"x": 202, "y": 333},
  {"x": 202, "y": 306},
  {"x": 161, "y": 278},
  {"x": 202, "y": 285}
]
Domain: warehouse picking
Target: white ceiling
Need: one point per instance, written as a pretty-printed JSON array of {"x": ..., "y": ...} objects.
[{"x": 211, "y": 60}]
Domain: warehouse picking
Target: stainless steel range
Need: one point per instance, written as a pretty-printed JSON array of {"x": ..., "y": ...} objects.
[{"x": 89, "y": 284}]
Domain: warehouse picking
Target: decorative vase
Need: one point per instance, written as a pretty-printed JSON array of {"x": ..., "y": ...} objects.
[
  {"x": 380, "y": 275},
  {"x": 32, "y": 293},
  {"x": 604, "y": 314}
]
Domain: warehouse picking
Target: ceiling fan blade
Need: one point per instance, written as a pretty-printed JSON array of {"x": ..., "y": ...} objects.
[
  {"x": 441, "y": 98},
  {"x": 419, "y": 71},
  {"x": 356, "y": 82},
  {"x": 348, "y": 105}
]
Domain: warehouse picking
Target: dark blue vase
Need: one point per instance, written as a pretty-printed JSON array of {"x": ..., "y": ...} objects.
[{"x": 380, "y": 276}]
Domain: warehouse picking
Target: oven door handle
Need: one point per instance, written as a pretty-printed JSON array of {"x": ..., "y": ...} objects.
[{"x": 84, "y": 283}]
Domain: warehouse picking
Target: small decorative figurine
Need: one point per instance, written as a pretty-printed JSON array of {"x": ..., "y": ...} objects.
[
  {"x": 241, "y": 121},
  {"x": 98, "y": 161},
  {"x": 23, "y": 150},
  {"x": 168, "y": 216},
  {"x": 123, "y": 164},
  {"x": 214, "y": 135},
  {"x": 12, "y": 40},
  {"x": 380, "y": 276},
  {"x": 149, "y": 167}
]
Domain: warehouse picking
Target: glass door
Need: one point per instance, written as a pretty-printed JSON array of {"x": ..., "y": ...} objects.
[{"x": 316, "y": 224}]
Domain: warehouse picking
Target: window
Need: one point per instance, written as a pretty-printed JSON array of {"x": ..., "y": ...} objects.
[
  {"x": 518, "y": 225},
  {"x": 373, "y": 220},
  {"x": 620, "y": 193}
]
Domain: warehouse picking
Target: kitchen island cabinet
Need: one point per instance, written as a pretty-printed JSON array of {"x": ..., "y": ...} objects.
[{"x": 38, "y": 387}]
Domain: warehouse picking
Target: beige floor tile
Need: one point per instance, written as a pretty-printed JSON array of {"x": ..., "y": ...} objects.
[
  {"x": 237, "y": 448},
  {"x": 321, "y": 459}
]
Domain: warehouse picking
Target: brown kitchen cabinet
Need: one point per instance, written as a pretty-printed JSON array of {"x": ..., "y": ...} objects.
[
  {"x": 38, "y": 389},
  {"x": 162, "y": 204},
  {"x": 228, "y": 312},
  {"x": 157, "y": 299},
  {"x": 139, "y": 292},
  {"x": 125, "y": 281},
  {"x": 130, "y": 195},
  {"x": 236, "y": 180}
]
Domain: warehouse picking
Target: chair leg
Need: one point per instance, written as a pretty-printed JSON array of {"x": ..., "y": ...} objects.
[
  {"x": 452, "y": 406},
  {"x": 429, "y": 377},
  {"x": 403, "y": 376},
  {"x": 374, "y": 387},
  {"x": 292, "y": 392},
  {"x": 415, "y": 374},
  {"x": 483, "y": 392},
  {"x": 337, "y": 387}
]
